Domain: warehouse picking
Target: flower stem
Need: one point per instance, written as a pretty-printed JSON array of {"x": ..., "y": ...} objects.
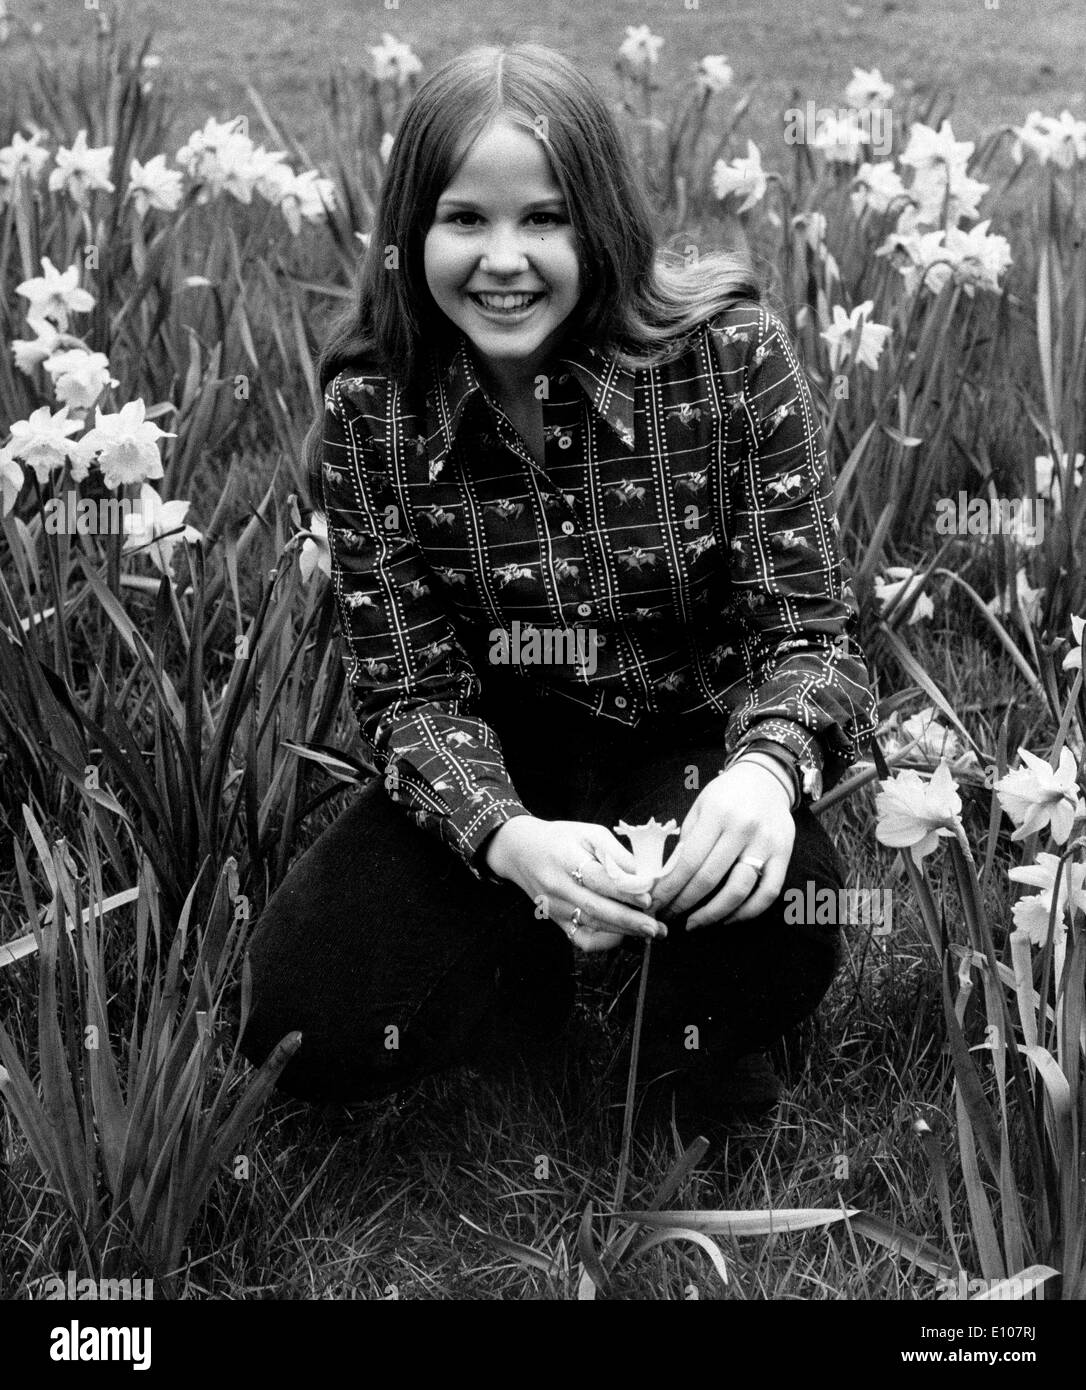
[{"x": 631, "y": 1081}]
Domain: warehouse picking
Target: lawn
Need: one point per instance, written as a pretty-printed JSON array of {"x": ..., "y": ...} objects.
[
  {"x": 997, "y": 64},
  {"x": 198, "y": 790}
]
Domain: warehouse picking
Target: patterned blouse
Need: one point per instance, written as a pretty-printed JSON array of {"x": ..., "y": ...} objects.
[{"x": 677, "y": 554}]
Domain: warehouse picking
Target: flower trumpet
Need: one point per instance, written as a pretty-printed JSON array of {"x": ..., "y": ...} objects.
[{"x": 647, "y": 846}]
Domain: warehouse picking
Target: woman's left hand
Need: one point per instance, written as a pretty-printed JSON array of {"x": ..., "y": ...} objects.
[{"x": 742, "y": 813}]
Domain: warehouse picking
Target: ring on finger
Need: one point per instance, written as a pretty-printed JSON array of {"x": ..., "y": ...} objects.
[
  {"x": 578, "y": 872},
  {"x": 758, "y": 865}
]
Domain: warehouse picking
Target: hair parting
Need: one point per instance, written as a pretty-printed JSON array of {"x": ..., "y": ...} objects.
[{"x": 639, "y": 301}]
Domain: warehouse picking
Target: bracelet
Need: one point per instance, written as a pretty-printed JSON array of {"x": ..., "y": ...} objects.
[
  {"x": 771, "y": 764},
  {"x": 785, "y": 761}
]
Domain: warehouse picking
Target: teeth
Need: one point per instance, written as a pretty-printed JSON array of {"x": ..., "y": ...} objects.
[{"x": 505, "y": 301}]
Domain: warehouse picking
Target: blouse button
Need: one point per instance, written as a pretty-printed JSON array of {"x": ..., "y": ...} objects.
[
  {"x": 564, "y": 441},
  {"x": 584, "y": 610},
  {"x": 568, "y": 528},
  {"x": 620, "y": 702}
]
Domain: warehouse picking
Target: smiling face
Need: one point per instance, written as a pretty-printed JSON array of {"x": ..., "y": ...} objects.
[{"x": 501, "y": 256}]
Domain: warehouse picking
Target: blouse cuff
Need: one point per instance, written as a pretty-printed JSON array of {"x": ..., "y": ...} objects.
[{"x": 789, "y": 741}]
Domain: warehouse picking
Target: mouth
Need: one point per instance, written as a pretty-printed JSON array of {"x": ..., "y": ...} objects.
[{"x": 506, "y": 308}]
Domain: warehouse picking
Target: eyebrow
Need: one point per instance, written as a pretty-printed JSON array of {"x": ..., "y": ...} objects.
[{"x": 557, "y": 201}]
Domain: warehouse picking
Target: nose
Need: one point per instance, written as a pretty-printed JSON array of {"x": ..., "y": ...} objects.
[{"x": 503, "y": 253}]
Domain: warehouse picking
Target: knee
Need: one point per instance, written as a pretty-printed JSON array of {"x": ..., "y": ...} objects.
[
  {"x": 295, "y": 988},
  {"x": 815, "y": 857},
  {"x": 271, "y": 1015},
  {"x": 338, "y": 1059}
]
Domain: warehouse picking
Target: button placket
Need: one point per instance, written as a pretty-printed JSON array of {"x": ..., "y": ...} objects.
[
  {"x": 561, "y": 435},
  {"x": 510, "y": 437}
]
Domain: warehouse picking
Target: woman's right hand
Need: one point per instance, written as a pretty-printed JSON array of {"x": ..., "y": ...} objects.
[{"x": 540, "y": 857}]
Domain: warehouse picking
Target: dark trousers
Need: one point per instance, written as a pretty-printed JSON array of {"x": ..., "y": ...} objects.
[{"x": 395, "y": 962}]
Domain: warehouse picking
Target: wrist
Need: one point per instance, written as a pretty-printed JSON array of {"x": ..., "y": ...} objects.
[
  {"x": 496, "y": 850},
  {"x": 776, "y": 770}
]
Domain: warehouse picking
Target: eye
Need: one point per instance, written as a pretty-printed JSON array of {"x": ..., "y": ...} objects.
[{"x": 463, "y": 217}]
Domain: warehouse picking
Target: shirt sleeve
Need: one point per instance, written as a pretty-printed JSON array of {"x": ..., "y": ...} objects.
[
  {"x": 413, "y": 688},
  {"x": 807, "y": 686}
]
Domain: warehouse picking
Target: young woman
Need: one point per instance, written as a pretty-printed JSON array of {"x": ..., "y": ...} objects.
[{"x": 586, "y": 566}]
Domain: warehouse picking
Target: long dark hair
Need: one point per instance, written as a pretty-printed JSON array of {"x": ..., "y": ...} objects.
[{"x": 637, "y": 302}]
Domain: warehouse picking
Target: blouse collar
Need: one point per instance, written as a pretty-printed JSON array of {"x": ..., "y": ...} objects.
[{"x": 608, "y": 385}]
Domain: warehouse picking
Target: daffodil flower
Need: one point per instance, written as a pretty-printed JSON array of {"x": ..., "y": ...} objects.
[
  {"x": 11, "y": 479},
  {"x": 29, "y": 353},
  {"x": 1073, "y": 660},
  {"x": 315, "y": 554},
  {"x": 741, "y": 176},
  {"x": 1031, "y": 913},
  {"x": 877, "y": 187},
  {"x": 851, "y": 334},
  {"x": 927, "y": 147},
  {"x": 641, "y": 47},
  {"x": 152, "y": 185},
  {"x": 714, "y": 73},
  {"x": 127, "y": 445},
  {"x": 1028, "y": 600},
  {"x": 900, "y": 579},
  {"x": 1038, "y": 796},
  {"x": 80, "y": 170},
  {"x": 929, "y": 739},
  {"x": 156, "y": 528},
  {"x": 915, "y": 813},
  {"x": 647, "y": 847},
  {"x": 1049, "y": 480},
  {"x": 53, "y": 296},
  {"x": 394, "y": 61},
  {"x": 868, "y": 89},
  {"x": 42, "y": 441},
  {"x": 79, "y": 377},
  {"x": 22, "y": 155}
]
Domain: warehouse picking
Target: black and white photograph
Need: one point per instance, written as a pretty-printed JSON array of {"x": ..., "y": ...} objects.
[{"x": 542, "y": 615}]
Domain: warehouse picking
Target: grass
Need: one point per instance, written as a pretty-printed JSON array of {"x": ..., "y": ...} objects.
[
  {"x": 370, "y": 1201},
  {"x": 365, "y": 1202},
  {"x": 997, "y": 64}
]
